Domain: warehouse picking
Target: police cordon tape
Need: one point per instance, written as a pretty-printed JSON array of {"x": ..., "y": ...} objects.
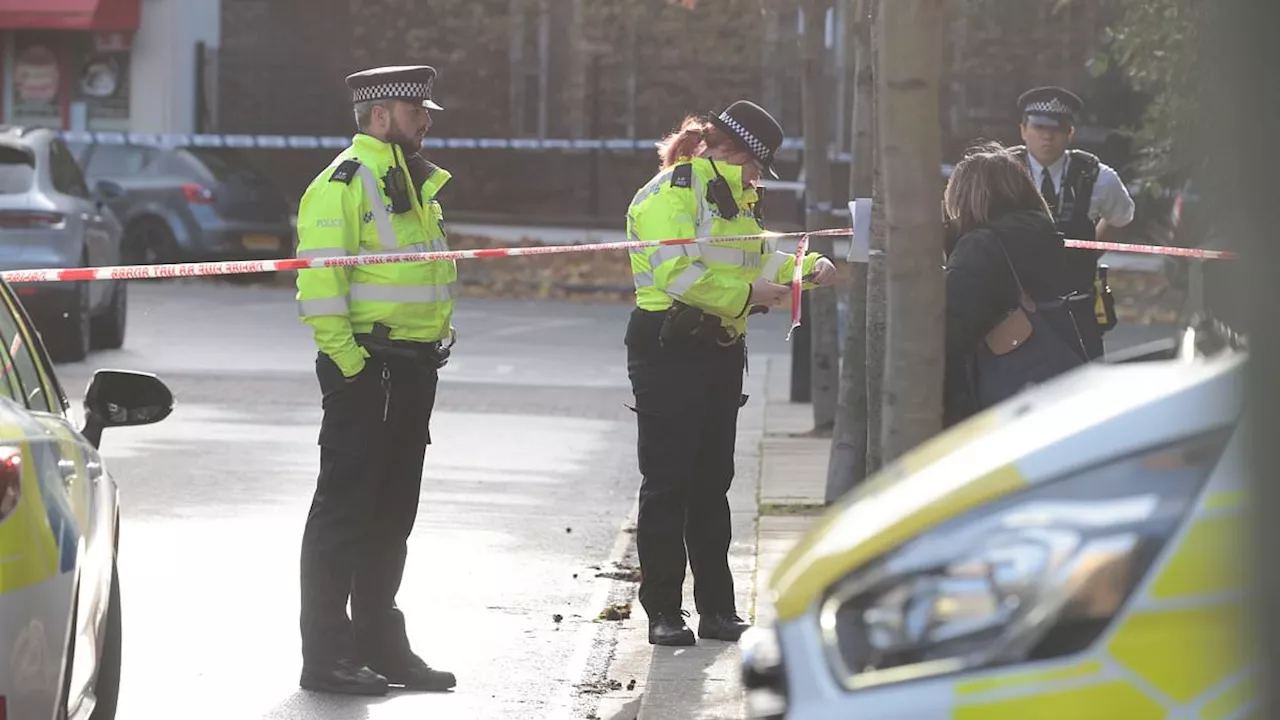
[
  {"x": 245, "y": 267},
  {"x": 242, "y": 267},
  {"x": 339, "y": 142},
  {"x": 797, "y": 278}
]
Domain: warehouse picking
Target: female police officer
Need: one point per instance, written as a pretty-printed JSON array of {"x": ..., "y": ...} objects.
[{"x": 686, "y": 352}]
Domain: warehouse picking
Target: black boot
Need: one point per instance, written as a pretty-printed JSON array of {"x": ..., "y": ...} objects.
[
  {"x": 668, "y": 628},
  {"x": 721, "y": 626},
  {"x": 345, "y": 676},
  {"x": 412, "y": 673}
]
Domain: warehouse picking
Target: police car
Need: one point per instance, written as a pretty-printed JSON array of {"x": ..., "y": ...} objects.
[
  {"x": 60, "y": 631},
  {"x": 1075, "y": 552}
]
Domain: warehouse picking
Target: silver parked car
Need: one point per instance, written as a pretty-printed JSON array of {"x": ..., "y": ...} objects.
[{"x": 49, "y": 218}]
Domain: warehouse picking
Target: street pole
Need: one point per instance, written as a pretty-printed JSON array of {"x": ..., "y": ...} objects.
[
  {"x": 821, "y": 312},
  {"x": 848, "y": 464}
]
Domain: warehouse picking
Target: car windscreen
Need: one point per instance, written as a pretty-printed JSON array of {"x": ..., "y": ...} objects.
[
  {"x": 118, "y": 160},
  {"x": 17, "y": 170},
  {"x": 228, "y": 165}
]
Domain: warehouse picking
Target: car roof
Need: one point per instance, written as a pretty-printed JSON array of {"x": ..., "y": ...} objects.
[{"x": 20, "y": 136}]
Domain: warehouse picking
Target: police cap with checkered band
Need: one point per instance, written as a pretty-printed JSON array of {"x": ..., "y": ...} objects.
[
  {"x": 755, "y": 129},
  {"x": 411, "y": 83},
  {"x": 1050, "y": 107}
]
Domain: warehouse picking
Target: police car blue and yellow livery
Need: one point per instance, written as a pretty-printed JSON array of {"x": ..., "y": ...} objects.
[
  {"x": 1073, "y": 553},
  {"x": 714, "y": 277},
  {"x": 60, "y": 625}
]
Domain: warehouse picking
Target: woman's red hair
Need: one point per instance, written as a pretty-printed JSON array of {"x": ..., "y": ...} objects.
[{"x": 693, "y": 136}]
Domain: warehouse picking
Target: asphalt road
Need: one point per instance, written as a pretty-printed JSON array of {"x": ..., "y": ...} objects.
[
  {"x": 528, "y": 486},
  {"x": 527, "y": 493}
]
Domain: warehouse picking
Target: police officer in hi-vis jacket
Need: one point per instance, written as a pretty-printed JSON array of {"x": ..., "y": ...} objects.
[
  {"x": 380, "y": 330},
  {"x": 686, "y": 351}
]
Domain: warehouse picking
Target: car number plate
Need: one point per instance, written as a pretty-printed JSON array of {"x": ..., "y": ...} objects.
[{"x": 261, "y": 242}]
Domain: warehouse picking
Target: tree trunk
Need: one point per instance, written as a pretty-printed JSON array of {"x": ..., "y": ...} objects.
[
  {"x": 822, "y": 315},
  {"x": 911, "y": 149},
  {"x": 876, "y": 270},
  {"x": 848, "y": 464}
]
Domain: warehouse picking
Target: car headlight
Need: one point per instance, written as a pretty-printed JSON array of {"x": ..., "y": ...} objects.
[{"x": 1037, "y": 575}]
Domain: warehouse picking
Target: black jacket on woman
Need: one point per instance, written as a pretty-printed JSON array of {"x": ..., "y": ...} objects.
[{"x": 981, "y": 290}]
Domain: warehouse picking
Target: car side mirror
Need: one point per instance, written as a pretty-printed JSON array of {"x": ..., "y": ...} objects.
[
  {"x": 108, "y": 189},
  {"x": 120, "y": 398}
]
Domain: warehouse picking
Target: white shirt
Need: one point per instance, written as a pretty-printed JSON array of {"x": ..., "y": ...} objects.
[{"x": 1111, "y": 201}]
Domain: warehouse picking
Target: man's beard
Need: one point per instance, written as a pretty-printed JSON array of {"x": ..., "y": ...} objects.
[{"x": 407, "y": 143}]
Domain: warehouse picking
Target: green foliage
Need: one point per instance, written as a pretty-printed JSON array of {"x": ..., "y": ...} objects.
[{"x": 1156, "y": 43}]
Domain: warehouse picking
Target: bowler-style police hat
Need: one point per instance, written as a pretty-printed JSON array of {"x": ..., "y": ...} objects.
[
  {"x": 755, "y": 128},
  {"x": 411, "y": 83},
  {"x": 1050, "y": 107}
]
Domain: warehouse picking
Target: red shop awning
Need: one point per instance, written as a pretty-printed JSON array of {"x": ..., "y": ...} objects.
[{"x": 103, "y": 15}]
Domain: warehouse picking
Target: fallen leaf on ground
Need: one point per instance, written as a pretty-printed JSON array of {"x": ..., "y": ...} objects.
[{"x": 617, "y": 611}]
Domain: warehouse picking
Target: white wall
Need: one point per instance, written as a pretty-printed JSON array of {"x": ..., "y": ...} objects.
[{"x": 162, "y": 73}]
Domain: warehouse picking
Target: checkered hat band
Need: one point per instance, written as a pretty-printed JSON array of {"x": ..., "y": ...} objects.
[
  {"x": 1054, "y": 106},
  {"x": 757, "y": 148},
  {"x": 392, "y": 90}
]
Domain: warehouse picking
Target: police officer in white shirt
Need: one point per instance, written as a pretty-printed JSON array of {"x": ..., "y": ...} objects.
[{"x": 1087, "y": 197}]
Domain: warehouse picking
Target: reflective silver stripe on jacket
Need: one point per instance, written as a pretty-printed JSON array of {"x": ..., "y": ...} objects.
[
  {"x": 643, "y": 279},
  {"x": 402, "y": 293},
  {"x": 774, "y": 265},
  {"x": 316, "y": 307},
  {"x": 685, "y": 280},
  {"x": 315, "y": 253},
  {"x": 381, "y": 219},
  {"x": 709, "y": 253}
]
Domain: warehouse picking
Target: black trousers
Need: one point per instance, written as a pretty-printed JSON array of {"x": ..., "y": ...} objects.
[
  {"x": 686, "y": 404},
  {"x": 365, "y": 505}
]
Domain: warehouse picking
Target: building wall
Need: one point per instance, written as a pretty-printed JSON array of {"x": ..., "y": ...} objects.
[{"x": 163, "y": 67}]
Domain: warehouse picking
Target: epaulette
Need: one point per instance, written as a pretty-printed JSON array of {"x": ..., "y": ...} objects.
[
  {"x": 345, "y": 171},
  {"x": 682, "y": 176},
  {"x": 1090, "y": 160}
]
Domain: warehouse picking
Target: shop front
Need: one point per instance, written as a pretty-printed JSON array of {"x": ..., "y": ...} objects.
[{"x": 66, "y": 63}]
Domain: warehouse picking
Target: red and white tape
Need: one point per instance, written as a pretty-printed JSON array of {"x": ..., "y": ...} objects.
[
  {"x": 242, "y": 267},
  {"x": 1195, "y": 253},
  {"x": 797, "y": 276},
  {"x": 202, "y": 269}
]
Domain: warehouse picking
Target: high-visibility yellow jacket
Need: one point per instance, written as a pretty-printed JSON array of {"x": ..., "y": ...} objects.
[
  {"x": 714, "y": 277},
  {"x": 346, "y": 211}
]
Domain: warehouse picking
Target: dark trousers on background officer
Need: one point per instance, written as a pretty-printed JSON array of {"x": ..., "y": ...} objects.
[
  {"x": 687, "y": 401},
  {"x": 373, "y": 439}
]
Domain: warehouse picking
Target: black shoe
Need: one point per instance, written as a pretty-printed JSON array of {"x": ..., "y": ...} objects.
[
  {"x": 414, "y": 674},
  {"x": 668, "y": 628},
  {"x": 345, "y": 676},
  {"x": 721, "y": 626}
]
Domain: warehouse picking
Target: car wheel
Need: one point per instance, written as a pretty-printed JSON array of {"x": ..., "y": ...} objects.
[
  {"x": 147, "y": 242},
  {"x": 73, "y": 332},
  {"x": 106, "y": 688},
  {"x": 108, "y": 329}
]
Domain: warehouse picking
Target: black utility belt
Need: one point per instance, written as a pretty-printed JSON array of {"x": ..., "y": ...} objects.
[
  {"x": 419, "y": 352},
  {"x": 686, "y": 325}
]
